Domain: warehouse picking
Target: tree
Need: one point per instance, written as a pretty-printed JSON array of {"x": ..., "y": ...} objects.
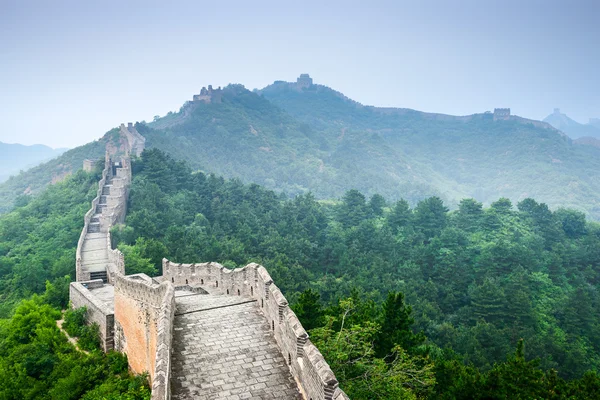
[
  {"x": 573, "y": 222},
  {"x": 376, "y": 204},
  {"x": 469, "y": 214},
  {"x": 353, "y": 209},
  {"x": 400, "y": 216},
  {"x": 430, "y": 216},
  {"x": 308, "y": 309},
  {"x": 396, "y": 327},
  {"x": 501, "y": 206}
]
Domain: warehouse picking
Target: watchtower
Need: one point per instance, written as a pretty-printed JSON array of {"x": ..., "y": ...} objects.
[
  {"x": 501, "y": 114},
  {"x": 209, "y": 95},
  {"x": 304, "y": 81}
]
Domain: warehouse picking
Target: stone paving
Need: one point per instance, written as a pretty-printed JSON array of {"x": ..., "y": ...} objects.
[
  {"x": 94, "y": 256},
  {"x": 223, "y": 349},
  {"x": 106, "y": 294}
]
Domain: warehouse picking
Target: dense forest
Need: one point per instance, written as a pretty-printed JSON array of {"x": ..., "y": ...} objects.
[
  {"x": 421, "y": 302},
  {"x": 494, "y": 302}
]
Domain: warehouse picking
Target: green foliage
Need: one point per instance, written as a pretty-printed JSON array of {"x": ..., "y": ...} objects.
[
  {"x": 75, "y": 324},
  {"x": 350, "y": 354},
  {"x": 35, "y": 180},
  {"x": 396, "y": 327},
  {"x": 309, "y": 310},
  {"x": 475, "y": 280},
  {"x": 38, "y": 242},
  {"x": 135, "y": 260},
  {"x": 37, "y": 361}
]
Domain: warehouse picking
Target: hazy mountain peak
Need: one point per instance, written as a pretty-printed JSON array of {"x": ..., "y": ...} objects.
[{"x": 573, "y": 128}]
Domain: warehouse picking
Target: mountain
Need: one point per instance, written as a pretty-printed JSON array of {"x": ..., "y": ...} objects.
[
  {"x": 574, "y": 129},
  {"x": 480, "y": 155},
  {"x": 16, "y": 157},
  {"x": 300, "y": 137},
  {"x": 35, "y": 179}
]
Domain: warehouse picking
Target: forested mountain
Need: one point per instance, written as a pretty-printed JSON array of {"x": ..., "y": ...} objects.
[
  {"x": 35, "y": 180},
  {"x": 456, "y": 290},
  {"x": 471, "y": 156},
  {"x": 16, "y": 157},
  {"x": 574, "y": 129},
  {"x": 313, "y": 139},
  {"x": 404, "y": 302}
]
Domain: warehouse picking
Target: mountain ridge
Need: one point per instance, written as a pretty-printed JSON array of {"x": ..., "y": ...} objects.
[
  {"x": 15, "y": 157},
  {"x": 572, "y": 128},
  {"x": 311, "y": 138}
]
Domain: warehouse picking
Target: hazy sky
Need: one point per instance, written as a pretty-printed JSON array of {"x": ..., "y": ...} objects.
[{"x": 71, "y": 70}]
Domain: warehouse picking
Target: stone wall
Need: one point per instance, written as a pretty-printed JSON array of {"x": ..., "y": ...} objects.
[
  {"x": 144, "y": 314},
  {"x": 135, "y": 142},
  {"x": 116, "y": 261},
  {"x": 106, "y": 174},
  {"x": 97, "y": 311},
  {"x": 161, "y": 384},
  {"x": 307, "y": 365}
]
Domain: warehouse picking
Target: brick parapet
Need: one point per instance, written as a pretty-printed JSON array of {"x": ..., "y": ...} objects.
[
  {"x": 157, "y": 302},
  {"x": 161, "y": 384},
  {"x": 307, "y": 365}
]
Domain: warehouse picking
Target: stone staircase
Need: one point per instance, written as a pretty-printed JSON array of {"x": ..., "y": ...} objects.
[{"x": 94, "y": 252}]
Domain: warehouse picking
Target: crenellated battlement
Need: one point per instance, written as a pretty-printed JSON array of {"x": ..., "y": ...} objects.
[{"x": 307, "y": 365}]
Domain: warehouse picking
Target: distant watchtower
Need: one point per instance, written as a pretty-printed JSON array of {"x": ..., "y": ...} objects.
[
  {"x": 557, "y": 111},
  {"x": 209, "y": 95},
  {"x": 501, "y": 114},
  {"x": 304, "y": 81}
]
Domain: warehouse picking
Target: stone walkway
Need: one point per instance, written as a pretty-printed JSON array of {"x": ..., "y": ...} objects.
[
  {"x": 94, "y": 257},
  {"x": 223, "y": 349}
]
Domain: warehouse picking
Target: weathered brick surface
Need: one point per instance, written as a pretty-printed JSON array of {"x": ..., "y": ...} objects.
[{"x": 224, "y": 349}]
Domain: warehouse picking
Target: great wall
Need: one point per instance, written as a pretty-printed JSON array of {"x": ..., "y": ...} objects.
[{"x": 200, "y": 331}]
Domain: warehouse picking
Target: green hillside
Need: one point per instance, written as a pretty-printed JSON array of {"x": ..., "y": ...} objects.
[
  {"x": 34, "y": 180},
  {"x": 472, "y": 156},
  {"x": 316, "y": 140},
  {"x": 247, "y": 137},
  {"x": 16, "y": 157},
  {"x": 457, "y": 290}
]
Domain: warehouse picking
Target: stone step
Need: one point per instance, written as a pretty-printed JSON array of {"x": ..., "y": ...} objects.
[
  {"x": 99, "y": 275},
  {"x": 91, "y": 261},
  {"x": 102, "y": 200},
  {"x": 106, "y": 190},
  {"x": 86, "y": 267},
  {"x": 95, "y": 236},
  {"x": 90, "y": 245},
  {"x": 100, "y": 208},
  {"x": 94, "y": 253},
  {"x": 94, "y": 227}
]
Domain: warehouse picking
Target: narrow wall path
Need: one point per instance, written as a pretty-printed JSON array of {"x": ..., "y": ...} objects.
[{"x": 223, "y": 349}]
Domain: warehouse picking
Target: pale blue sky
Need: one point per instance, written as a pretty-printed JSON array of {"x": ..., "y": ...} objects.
[{"x": 71, "y": 70}]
